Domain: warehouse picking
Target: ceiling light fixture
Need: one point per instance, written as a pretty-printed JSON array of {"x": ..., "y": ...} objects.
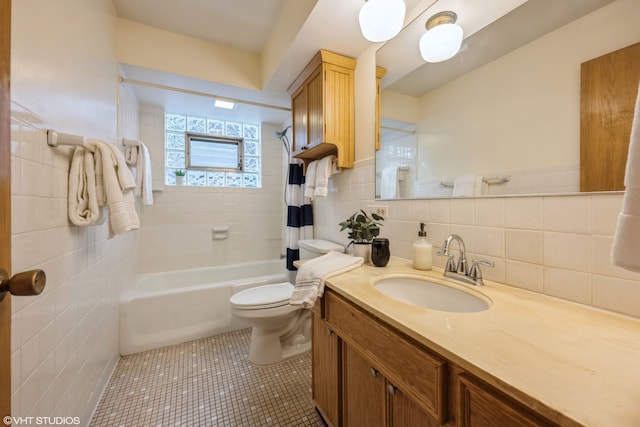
[
  {"x": 442, "y": 39},
  {"x": 381, "y": 20},
  {"x": 224, "y": 104}
]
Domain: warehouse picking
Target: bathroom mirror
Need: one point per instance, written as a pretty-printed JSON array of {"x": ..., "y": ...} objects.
[{"x": 503, "y": 115}]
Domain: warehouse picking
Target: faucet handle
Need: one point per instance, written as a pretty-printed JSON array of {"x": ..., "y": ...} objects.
[{"x": 475, "y": 273}]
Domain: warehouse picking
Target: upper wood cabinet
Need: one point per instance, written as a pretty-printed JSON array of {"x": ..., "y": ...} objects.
[{"x": 322, "y": 101}]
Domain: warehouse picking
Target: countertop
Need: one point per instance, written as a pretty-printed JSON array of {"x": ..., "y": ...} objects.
[{"x": 577, "y": 361}]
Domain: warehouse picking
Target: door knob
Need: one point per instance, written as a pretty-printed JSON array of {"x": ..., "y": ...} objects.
[{"x": 22, "y": 284}]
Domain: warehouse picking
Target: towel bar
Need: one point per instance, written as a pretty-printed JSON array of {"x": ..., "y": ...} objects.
[
  {"x": 489, "y": 180},
  {"x": 402, "y": 168},
  {"x": 130, "y": 142},
  {"x": 54, "y": 139}
]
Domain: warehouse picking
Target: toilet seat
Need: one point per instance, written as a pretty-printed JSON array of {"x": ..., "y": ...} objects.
[{"x": 261, "y": 297}]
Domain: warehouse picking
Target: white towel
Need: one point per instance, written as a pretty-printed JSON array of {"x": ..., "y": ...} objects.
[
  {"x": 313, "y": 273},
  {"x": 138, "y": 156},
  {"x": 114, "y": 186},
  {"x": 625, "y": 251},
  {"x": 327, "y": 166},
  {"x": 389, "y": 183},
  {"x": 83, "y": 206},
  {"x": 467, "y": 186},
  {"x": 310, "y": 180}
]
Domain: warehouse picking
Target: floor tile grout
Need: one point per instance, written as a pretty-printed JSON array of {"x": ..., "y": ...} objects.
[{"x": 207, "y": 382}]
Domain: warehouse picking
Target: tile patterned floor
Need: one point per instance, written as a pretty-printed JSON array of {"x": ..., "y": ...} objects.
[{"x": 207, "y": 382}]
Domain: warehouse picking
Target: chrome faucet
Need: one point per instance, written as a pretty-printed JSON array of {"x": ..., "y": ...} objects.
[
  {"x": 461, "y": 267},
  {"x": 460, "y": 271}
]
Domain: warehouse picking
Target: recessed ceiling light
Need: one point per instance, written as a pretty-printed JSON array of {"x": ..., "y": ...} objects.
[{"x": 224, "y": 104}]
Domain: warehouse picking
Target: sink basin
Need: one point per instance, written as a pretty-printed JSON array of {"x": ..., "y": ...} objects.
[{"x": 422, "y": 292}]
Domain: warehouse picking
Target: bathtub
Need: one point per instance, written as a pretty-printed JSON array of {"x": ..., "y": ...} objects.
[{"x": 172, "y": 307}]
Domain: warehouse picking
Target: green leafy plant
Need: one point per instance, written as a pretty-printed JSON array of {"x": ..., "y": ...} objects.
[
  {"x": 180, "y": 172},
  {"x": 362, "y": 227}
]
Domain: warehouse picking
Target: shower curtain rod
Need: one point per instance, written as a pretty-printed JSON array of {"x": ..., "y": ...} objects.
[{"x": 206, "y": 95}]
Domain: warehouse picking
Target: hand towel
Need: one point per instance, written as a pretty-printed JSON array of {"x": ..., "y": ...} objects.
[
  {"x": 467, "y": 186},
  {"x": 83, "y": 209},
  {"x": 625, "y": 251},
  {"x": 327, "y": 166},
  {"x": 463, "y": 186},
  {"x": 480, "y": 186},
  {"x": 118, "y": 184},
  {"x": 313, "y": 273},
  {"x": 389, "y": 183},
  {"x": 138, "y": 156},
  {"x": 310, "y": 180}
]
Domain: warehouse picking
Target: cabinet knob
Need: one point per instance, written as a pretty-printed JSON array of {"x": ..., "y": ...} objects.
[
  {"x": 374, "y": 373},
  {"x": 329, "y": 332},
  {"x": 392, "y": 389}
]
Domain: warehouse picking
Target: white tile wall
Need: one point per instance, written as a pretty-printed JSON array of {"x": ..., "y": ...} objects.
[
  {"x": 65, "y": 341},
  {"x": 65, "y": 77},
  {"x": 176, "y": 229},
  {"x": 556, "y": 245}
]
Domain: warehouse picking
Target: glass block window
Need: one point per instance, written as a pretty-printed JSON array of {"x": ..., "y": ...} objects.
[{"x": 178, "y": 128}]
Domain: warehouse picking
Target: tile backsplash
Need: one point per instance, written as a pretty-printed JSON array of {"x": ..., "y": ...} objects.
[{"x": 555, "y": 245}]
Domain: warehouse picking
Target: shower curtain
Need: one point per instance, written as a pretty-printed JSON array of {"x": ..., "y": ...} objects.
[{"x": 299, "y": 212}]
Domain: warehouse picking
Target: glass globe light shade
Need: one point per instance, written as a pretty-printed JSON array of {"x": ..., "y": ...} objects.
[
  {"x": 441, "y": 42},
  {"x": 381, "y": 20}
]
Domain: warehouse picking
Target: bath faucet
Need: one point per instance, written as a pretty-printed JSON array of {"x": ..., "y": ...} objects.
[
  {"x": 462, "y": 259},
  {"x": 460, "y": 270}
]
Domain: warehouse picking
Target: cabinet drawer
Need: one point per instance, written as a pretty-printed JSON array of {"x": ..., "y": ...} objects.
[
  {"x": 420, "y": 374},
  {"x": 482, "y": 406}
]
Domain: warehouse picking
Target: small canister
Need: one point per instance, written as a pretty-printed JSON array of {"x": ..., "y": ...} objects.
[{"x": 380, "y": 252}]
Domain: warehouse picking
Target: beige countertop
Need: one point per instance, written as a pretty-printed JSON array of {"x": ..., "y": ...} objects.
[{"x": 579, "y": 361}]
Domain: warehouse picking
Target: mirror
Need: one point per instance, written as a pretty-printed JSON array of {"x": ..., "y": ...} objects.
[{"x": 502, "y": 117}]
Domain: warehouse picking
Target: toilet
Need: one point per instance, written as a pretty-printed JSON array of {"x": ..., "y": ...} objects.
[{"x": 278, "y": 331}]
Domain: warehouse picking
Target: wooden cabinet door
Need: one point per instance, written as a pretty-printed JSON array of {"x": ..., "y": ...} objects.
[
  {"x": 315, "y": 104},
  {"x": 325, "y": 374},
  {"x": 363, "y": 391},
  {"x": 481, "y": 406},
  {"x": 299, "y": 114},
  {"x": 404, "y": 412}
]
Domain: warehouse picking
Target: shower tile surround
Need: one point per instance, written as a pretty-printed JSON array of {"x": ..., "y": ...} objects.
[
  {"x": 176, "y": 232},
  {"x": 555, "y": 245},
  {"x": 207, "y": 382}
]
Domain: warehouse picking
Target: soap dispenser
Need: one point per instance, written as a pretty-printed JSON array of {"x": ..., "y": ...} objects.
[{"x": 422, "y": 251}]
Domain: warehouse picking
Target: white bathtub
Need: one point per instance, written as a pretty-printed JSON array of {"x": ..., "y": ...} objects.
[{"x": 172, "y": 307}]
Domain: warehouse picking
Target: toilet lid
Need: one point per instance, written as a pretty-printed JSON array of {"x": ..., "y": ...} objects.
[{"x": 265, "y": 296}]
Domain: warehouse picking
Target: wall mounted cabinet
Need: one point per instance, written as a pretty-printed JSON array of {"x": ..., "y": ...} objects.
[{"x": 323, "y": 109}]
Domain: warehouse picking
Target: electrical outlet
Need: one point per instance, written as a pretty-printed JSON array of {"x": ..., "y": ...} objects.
[{"x": 383, "y": 211}]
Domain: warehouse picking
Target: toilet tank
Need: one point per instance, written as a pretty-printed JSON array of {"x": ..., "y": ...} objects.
[{"x": 313, "y": 248}]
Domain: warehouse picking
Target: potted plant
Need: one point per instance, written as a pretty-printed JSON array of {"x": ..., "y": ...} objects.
[
  {"x": 362, "y": 230},
  {"x": 180, "y": 176}
]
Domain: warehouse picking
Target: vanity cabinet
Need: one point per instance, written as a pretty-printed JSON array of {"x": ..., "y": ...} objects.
[
  {"x": 482, "y": 406},
  {"x": 367, "y": 373},
  {"x": 325, "y": 353},
  {"x": 372, "y": 384},
  {"x": 370, "y": 399},
  {"x": 323, "y": 109}
]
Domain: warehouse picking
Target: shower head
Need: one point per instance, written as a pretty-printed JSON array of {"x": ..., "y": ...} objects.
[{"x": 281, "y": 134}]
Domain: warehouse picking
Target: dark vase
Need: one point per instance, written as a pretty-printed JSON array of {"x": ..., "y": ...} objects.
[{"x": 380, "y": 252}]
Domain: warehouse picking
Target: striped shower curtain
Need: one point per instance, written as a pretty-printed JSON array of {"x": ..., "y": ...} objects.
[{"x": 299, "y": 212}]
